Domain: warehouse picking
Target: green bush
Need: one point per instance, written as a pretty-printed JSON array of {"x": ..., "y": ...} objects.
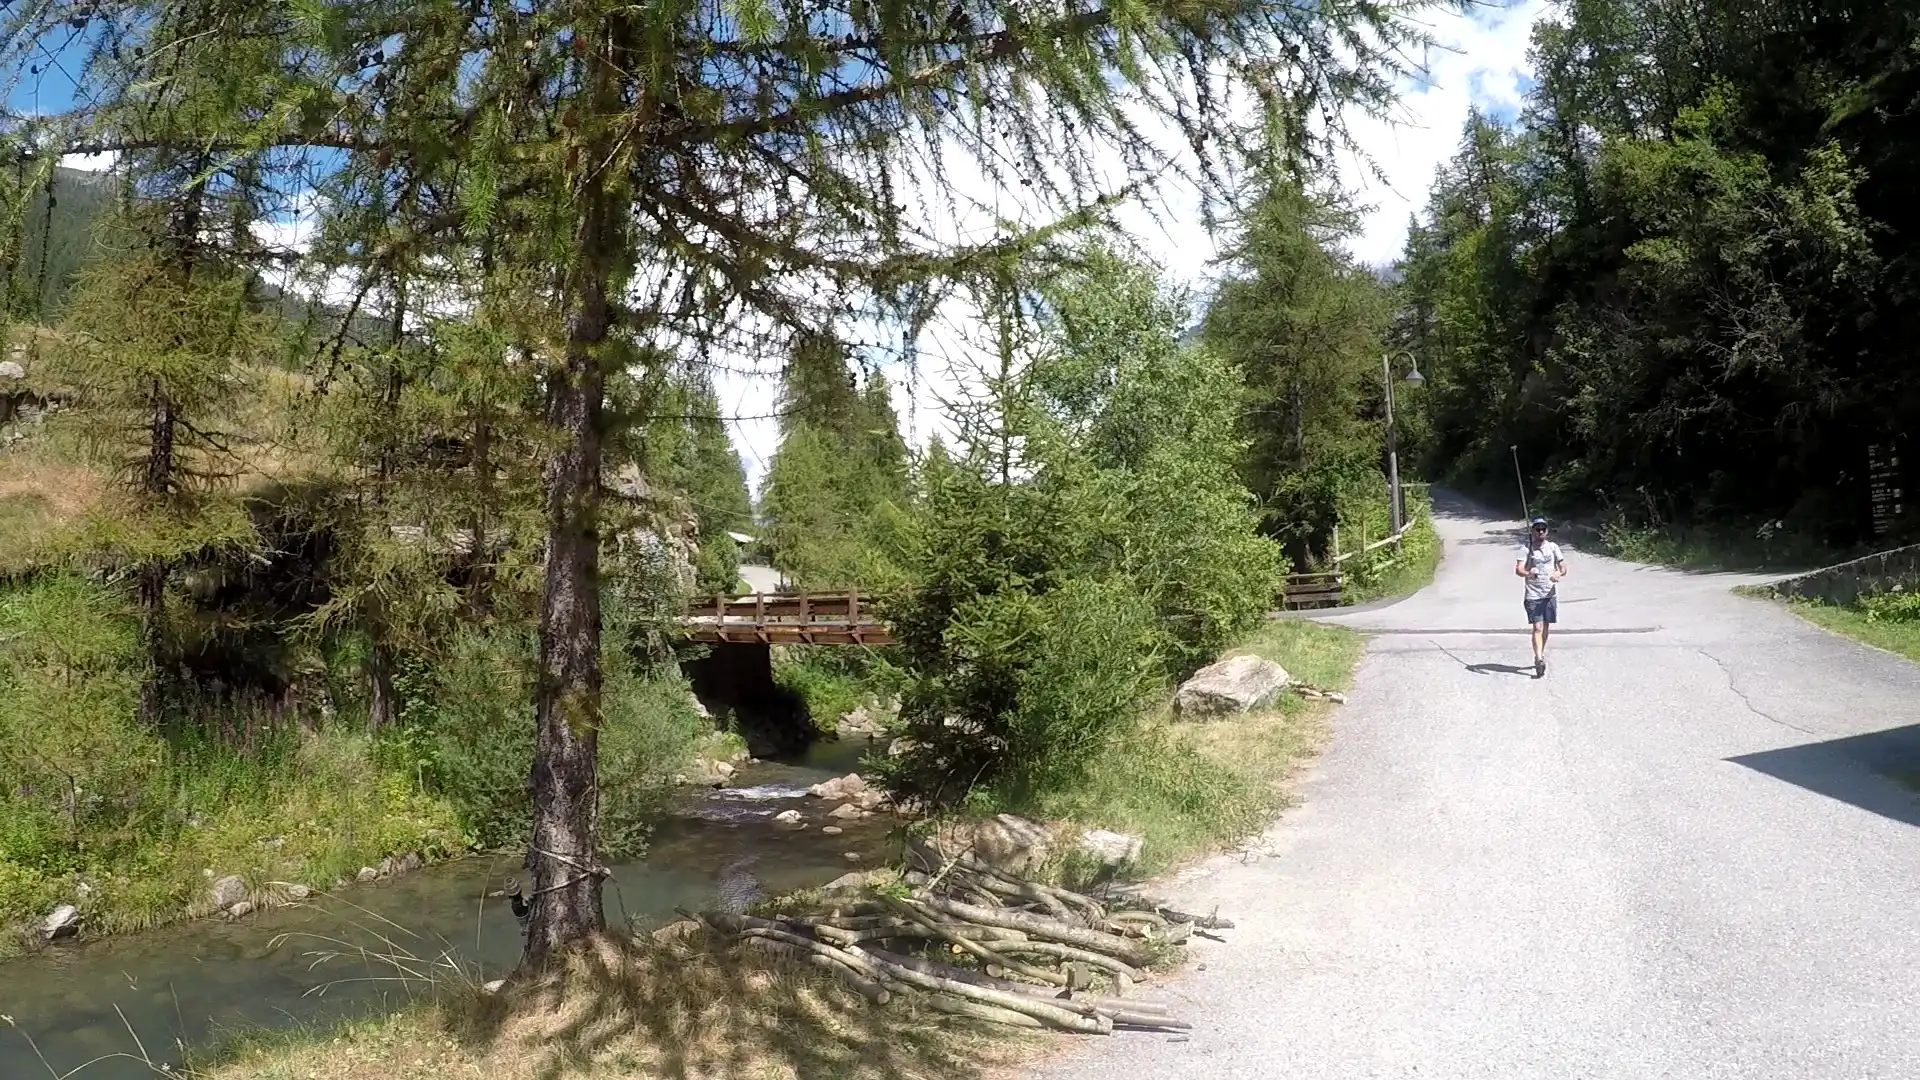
[
  {"x": 1899, "y": 606},
  {"x": 92, "y": 796},
  {"x": 836, "y": 680},
  {"x": 466, "y": 732},
  {"x": 1031, "y": 687}
]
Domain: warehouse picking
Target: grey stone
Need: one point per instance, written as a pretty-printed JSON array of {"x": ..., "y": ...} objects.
[
  {"x": 229, "y": 891},
  {"x": 240, "y": 910},
  {"x": 63, "y": 923},
  {"x": 367, "y": 873},
  {"x": 1236, "y": 685},
  {"x": 1110, "y": 848},
  {"x": 840, "y": 787}
]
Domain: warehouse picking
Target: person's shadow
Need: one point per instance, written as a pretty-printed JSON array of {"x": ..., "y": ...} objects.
[
  {"x": 1500, "y": 669},
  {"x": 1487, "y": 669}
]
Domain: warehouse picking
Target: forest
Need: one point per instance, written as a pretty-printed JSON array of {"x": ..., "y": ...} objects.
[
  {"x": 1680, "y": 287},
  {"x": 378, "y": 544}
]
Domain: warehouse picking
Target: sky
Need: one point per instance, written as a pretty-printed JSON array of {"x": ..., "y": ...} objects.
[{"x": 1484, "y": 65}]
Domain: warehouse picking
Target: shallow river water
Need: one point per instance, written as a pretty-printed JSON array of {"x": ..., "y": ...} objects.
[{"x": 190, "y": 982}]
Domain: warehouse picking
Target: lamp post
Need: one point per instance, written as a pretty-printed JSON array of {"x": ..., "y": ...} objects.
[{"x": 1397, "y": 508}]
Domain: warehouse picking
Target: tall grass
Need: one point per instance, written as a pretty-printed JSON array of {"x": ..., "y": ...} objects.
[
  {"x": 131, "y": 825},
  {"x": 1889, "y": 621},
  {"x": 1188, "y": 788}
]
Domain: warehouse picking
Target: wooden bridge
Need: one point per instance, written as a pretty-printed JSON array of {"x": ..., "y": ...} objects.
[{"x": 841, "y": 618}]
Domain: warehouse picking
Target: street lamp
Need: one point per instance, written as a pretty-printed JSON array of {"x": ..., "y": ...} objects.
[{"x": 1396, "y": 505}]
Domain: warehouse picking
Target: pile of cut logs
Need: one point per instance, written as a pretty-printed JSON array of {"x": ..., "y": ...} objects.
[{"x": 1012, "y": 951}]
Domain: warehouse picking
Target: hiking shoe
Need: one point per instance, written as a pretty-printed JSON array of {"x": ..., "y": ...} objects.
[{"x": 1540, "y": 668}]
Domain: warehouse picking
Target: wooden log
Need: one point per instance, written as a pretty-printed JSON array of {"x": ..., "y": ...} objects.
[
  {"x": 867, "y": 988},
  {"x": 898, "y": 928},
  {"x": 1049, "y": 894},
  {"x": 1064, "y": 952},
  {"x": 955, "y": 1006},
  {"x": 1037, "y": 974},
  {"x": 1043, "y": 929},
  {"x": 1055, "y": 1015},
  {"x": 1079, "y": 1002}
]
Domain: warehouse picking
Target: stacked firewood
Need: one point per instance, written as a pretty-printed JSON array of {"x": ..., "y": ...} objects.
[{"x": 1009, "y": 950}]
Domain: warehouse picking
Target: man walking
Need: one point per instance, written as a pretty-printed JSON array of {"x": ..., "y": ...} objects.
[{"x": 1543, "y": 566}]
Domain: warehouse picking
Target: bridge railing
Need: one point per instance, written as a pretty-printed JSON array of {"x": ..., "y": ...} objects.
[{"x": 836, "y": 618}]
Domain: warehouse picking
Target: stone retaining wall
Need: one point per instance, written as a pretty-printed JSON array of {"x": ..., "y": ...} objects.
[{"x": 1848, "y": 581}]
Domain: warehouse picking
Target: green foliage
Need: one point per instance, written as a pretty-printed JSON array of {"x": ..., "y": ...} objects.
[
  {"x": 1892, "y": 607},
  {"x": 465, "y": 733},
  {"x": 1678, "y": 285},
  {"x": 836, "y": 490},
  {"x": 94, "y": 797},
  {"x": 1094, "y": 540},
  {"x": 684, "y": 447},
  {"x": 1186, "y": 789},
  {"x": 1304, "y": 324}
]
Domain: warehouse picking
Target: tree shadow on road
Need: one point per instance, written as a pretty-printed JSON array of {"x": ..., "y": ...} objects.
[{"x": 1878, "y": 772}]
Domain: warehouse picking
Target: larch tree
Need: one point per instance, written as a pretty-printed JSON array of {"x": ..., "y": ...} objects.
[{"x": 693, "y": 177}]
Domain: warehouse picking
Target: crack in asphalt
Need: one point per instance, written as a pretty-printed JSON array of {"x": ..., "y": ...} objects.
[{"x": 1747, "y": 701}]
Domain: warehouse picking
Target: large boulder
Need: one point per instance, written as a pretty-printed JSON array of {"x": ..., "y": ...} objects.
[
  {"x": 229, "y": 891},
  {"x": 1109, "y": 849},
  {"x": 1236, "y": 685}
]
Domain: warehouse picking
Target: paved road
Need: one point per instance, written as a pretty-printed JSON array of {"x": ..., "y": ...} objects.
[{"x": 1673, "y": 857}]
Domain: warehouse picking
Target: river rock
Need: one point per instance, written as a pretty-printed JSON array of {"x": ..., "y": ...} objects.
[
  {"x": 492, "y": 986},
  {"x": 240, "y": 910},
  {"x": 840, "y": 787},
  {"x": 845, "y": 812},
  {"x": 11, "y": 370},
  {"x": 298, "y": 892},
  {"x": 1009, "y": 842},
  {"x": 870, "y": 800},
  {"x": 676, "y": 931},
  {"x": 859, "y": 722},
  {"x": 367, "y": 874},
  {"x": 900, "y": 746},
  {"x": 1236, "y": 685},
  {"x": 1110, "y": 848},
  {"x": 831, "y": 830},
  {"x": 410, "y": 862},
  {"x": 229, "y": 891},
  {"x": 789, "y": 819},
  {"x": 63, "y": 923},
  {"x": 851, "y": 856}
]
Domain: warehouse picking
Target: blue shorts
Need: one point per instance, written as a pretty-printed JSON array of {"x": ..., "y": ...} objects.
[{"x": 1544, "y": 610}]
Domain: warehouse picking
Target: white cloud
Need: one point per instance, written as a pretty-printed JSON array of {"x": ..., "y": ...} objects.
[
  {"x": 89, "y": 162},
  {"x": 1487, "y": 67}
]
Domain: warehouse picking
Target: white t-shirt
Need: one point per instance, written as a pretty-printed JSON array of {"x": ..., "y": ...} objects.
[{"x": 1541, "y": 560}]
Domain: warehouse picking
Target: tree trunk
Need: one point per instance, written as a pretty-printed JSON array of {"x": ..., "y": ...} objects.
[
  {"x": 151, "y": 583},
  {"x": 564, "y": 859},
  {"x": 383, "y": 704}
]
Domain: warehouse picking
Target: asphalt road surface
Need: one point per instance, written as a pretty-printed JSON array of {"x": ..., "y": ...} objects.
[{"x": 1678, "y": 855}]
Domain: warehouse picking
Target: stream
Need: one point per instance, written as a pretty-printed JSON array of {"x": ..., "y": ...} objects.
[{"x": 188, "y": 983}]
